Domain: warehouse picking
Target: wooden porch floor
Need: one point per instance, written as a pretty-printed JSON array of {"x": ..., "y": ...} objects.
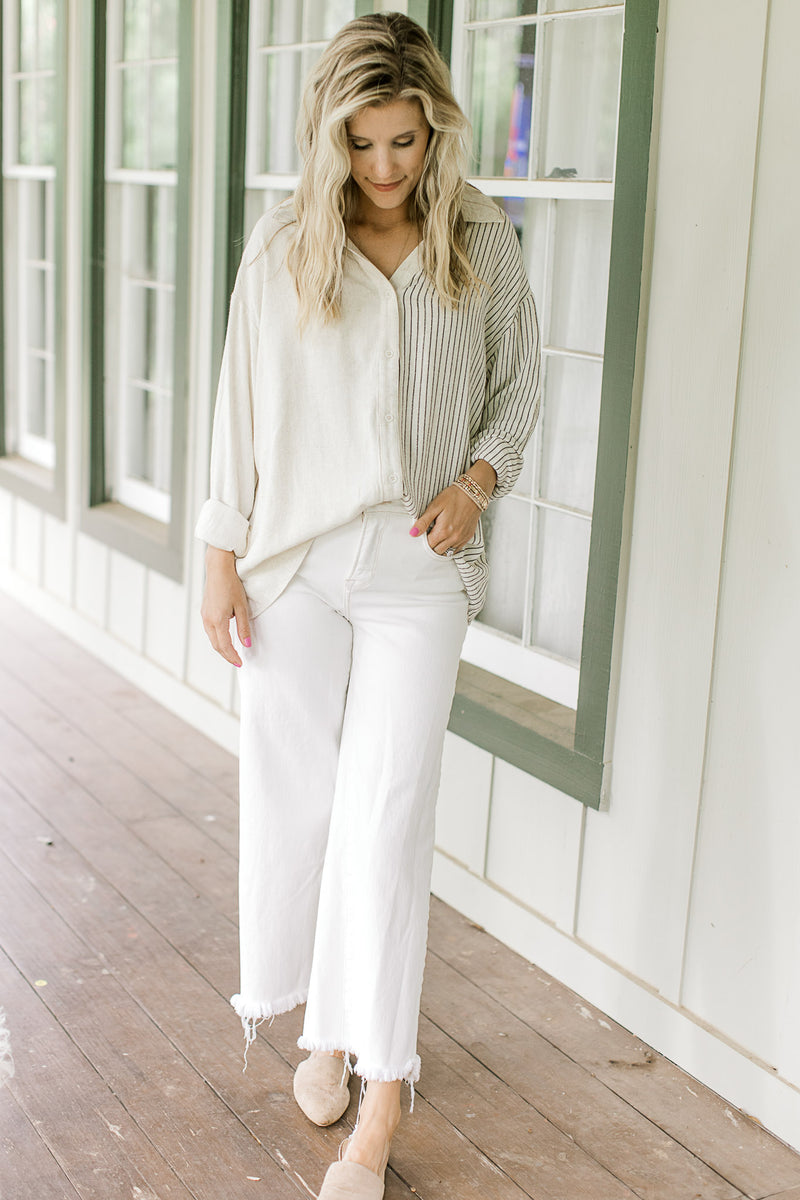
[{"x": 118, "y": 935}]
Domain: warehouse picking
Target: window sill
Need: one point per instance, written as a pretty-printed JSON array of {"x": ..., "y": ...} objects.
[
  {"x": 31, "y": 482},
  {"x": 530, "y": 731},
  {"x": 136, "y": 535}
]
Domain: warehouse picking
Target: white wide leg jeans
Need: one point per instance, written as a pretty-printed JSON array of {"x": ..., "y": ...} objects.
[{"x": 345, "y": 698}]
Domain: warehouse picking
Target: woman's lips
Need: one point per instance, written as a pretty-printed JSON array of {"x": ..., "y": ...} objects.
[{"x": 387, "y": 187}]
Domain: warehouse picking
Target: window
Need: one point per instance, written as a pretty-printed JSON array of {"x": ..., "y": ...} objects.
[
  {"x": 540, "y": 84},
  {"x": 31, "y": 87},
  {"x": 139, "y": 285},
  {"x": 560, "y": 96},
  {"x": 286, "y": 39}
]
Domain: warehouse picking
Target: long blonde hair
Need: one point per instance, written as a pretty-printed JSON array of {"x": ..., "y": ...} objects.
[{"x": 372, "y": 61}]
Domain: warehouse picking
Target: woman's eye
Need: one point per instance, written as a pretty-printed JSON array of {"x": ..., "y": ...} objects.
[{"x": 404, "y": 145}]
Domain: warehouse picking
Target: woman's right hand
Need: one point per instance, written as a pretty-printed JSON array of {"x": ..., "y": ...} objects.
[{"x": 224, "y": 599}]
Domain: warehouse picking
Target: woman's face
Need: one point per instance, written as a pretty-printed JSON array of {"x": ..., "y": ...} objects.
[{"x": 387, "y": 146}]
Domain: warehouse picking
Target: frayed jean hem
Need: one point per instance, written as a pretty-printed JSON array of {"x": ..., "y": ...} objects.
[{"x": 409, "y": 1073}]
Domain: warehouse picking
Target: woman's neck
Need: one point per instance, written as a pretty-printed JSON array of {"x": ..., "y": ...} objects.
[{"x": 381, "y": 220}]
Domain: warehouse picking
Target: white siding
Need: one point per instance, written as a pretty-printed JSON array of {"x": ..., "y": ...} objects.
[{"x": 744, "y": 931}]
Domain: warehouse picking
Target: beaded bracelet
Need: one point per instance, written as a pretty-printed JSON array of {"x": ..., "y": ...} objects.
[{"x": 473, "y": 490}]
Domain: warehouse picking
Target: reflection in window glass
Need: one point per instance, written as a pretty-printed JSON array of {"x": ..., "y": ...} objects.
[
  {"x": 304, "y": 21},
  {"x": 501, "y": 94},
  {"x": 580, "y": 78},
  {"x": 29, "y": 97}
]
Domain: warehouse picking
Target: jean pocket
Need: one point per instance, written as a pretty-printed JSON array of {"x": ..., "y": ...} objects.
[{"x": 433, "y": 553}]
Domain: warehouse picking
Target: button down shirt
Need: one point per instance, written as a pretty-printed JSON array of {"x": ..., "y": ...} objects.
[{"x": 394, "y": 400}]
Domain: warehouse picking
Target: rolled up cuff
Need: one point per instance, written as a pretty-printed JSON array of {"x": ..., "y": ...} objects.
[
  {"x": 501, "y": 453},
  {"x": 222, "y": 526}
]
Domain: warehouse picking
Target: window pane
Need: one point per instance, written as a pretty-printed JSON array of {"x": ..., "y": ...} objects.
[
  {"x": 312, "y": 21},
  {"x": 580, "y": 63},
  {"x": 282, "y": 79},
  {"x": 257, "y": 201},
  {"x": 135, "y": 117},
  {"x": 35, "y": 400},
  {"x": 164, "y": 131},
  {"x": 26, "y": 122},
  {"x": 35, "y": 221},
  {"x": 562, "y": 557},
  {"x": 141, "y": 332},
  {"x": 501, "y": 91},
  {"x": 48, "y": 25},
  {"x": 506, "y": 526},
  {"x": 46, "y": 119},
  {"x": 36, "y": 313},
  {"x": 164, "y": 29},
  {"x": 141, "y": 428},
  {"x": 579, "y": 280},
  {"x": 570, "y": 415},
  {"x": 135, "y": 35},
  {"x": 27, "y": 35}
]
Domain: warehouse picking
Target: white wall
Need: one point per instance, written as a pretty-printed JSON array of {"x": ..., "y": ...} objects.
[{"x": 675, "y": 910}]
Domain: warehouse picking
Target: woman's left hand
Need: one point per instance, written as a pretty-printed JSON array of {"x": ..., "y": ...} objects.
[{"x": 452, "y": 516}]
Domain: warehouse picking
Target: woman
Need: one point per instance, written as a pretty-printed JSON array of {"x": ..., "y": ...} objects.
[{"x": 379, "y": 384}]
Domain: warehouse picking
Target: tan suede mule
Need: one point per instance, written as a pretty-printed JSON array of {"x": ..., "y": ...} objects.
[
  {"x": 350, "y": 1181},
  {"x": 318, "y": 1087}
]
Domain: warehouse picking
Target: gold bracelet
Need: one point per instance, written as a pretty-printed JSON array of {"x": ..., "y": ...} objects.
[{"x": 474, "y": 490}]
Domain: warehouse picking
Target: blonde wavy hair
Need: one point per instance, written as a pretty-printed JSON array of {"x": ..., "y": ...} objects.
[{"x": 373, "y": 61}]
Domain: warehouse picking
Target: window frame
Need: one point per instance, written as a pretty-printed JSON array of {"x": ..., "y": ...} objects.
[
  {"x": 580, "y": 769},
  {"x": 572, "y": 758},
  {"x": 157, "y": 544},
  {"x": 44, "y": 487}
]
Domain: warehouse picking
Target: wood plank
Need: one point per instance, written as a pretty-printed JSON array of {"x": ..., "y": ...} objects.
[
  {"x": 427, "y": 1153},
  {"x": 101, "y": 1151},
  {"x": 119, "y": 874},
  {"x": 544, "y": 1162},
  {"x": 792, "y": 1194},
  {"x": 91, "y": 674},
  {"x": 605, "y": 1126},
  {"x": 27, "y": 1166},
  {"x": 95, "y": 726},
  {"x": 209, "y": 869},
  {"x": 695, "y": 1116},
  {"x": 205, "y": 1145}
]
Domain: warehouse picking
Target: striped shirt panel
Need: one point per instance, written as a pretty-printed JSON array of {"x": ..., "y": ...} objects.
[{"x": 469, "y": 382}]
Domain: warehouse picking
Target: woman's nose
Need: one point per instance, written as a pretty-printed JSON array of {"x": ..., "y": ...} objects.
[{"x": 383, "y": 166}]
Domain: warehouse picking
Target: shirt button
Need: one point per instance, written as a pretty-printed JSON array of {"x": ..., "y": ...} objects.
[
  {"x": 389, "y": 353},
  {"x": 392, "y": 478},
  {"x": 389, "y": 416}
]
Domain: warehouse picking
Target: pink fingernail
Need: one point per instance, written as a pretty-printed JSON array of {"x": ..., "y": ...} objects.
[
  {"x": 414, "y": 531},
  {"x": 246, "y": 642}
]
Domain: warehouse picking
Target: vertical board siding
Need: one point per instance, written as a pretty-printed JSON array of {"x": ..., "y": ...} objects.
[
  {"x": 462, "y": 810},
  {"x": 58, "y": 558},
  {"x": 534, "y": 843},
  {"x": 742, "y": 972},
  {"x": 28, "y": 520},
  {"x": 638, "y": 856}
]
